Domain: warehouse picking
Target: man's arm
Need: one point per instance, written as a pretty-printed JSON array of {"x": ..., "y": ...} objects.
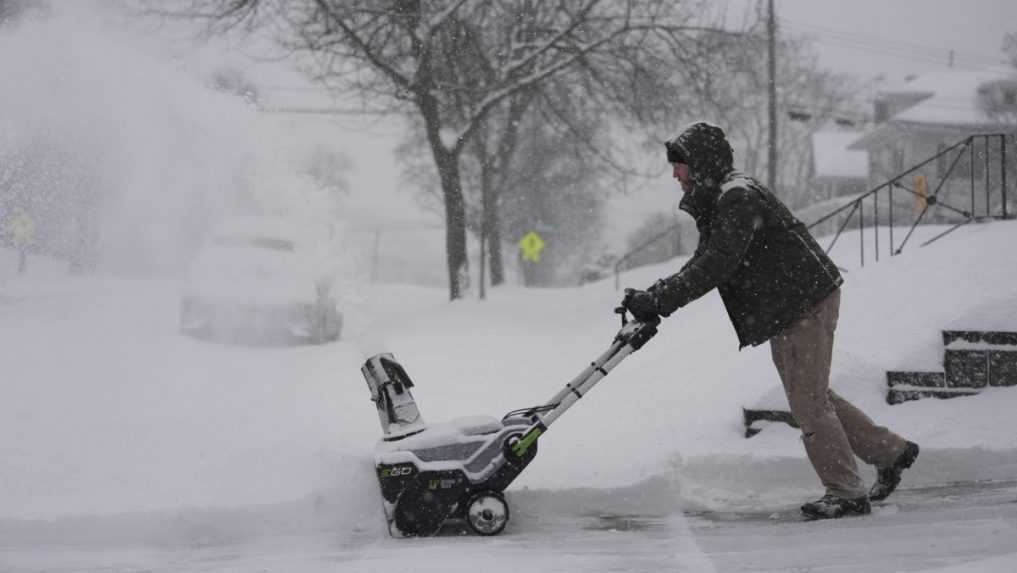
[
  {"x": 700, "y": 247},
  {"x": 738, "y": 218}
]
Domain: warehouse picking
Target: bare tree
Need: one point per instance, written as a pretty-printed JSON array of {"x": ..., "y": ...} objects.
[
  {"x": 582, "y": 104},
  {"x": 11, "y": 10},
  {"x": 404, "y": 56}
]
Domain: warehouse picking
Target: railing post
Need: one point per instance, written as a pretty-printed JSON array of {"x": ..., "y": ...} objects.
[
  {"x": 861, "y": 231},
  {"x": 889, "y": 194},
  {"x": 1002, "y": 169},
  {"x": 971, "y": 170},
  {"x": 988, "y": 189},
  {"x": 875, "y": 224}
]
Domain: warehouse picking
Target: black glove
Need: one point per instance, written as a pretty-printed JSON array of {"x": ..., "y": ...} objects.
[
  {"x": 642, "y": 304},
  {"x": 657, "y": 290}
]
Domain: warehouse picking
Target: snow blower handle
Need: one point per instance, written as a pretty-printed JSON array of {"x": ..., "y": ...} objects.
[{"x": 623, "y": 312}]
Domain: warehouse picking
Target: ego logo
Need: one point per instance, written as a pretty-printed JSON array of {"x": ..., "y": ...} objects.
[{"x": 395, "y": 471}]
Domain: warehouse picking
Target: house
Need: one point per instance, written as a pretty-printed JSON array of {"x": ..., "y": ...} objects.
[
  {"x": 925, "y": 116},
  {"x": 838, "y": 170},
  {"x": 839, "y": 174}
]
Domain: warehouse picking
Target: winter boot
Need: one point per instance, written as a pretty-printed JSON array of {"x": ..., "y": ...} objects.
[
  {"x": 832, "y": 507},
  {"x": 889, "y": 477}
]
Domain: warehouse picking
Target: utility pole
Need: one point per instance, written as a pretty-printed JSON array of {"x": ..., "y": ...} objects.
[
  {"x": 771, "y": 27},
  {"x": 483, "y": 258}
]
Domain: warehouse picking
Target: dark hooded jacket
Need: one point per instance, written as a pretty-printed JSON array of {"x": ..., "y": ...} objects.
[{"x": 769, "y": 270}]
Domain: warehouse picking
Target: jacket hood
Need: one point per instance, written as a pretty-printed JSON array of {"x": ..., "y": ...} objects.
[{"x": 705, "y": 149}]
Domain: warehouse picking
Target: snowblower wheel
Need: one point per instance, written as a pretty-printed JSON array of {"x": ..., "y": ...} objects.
[{"x": 487, "y": 513}]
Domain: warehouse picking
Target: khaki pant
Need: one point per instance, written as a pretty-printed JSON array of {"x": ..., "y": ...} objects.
[{"x": 833, "y": 430}]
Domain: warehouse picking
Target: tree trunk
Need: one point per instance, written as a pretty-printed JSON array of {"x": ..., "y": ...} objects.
[
  {"x": 447, "y": 163},
  {"x": 455, "y": 224},
  {"x": 489, "y": 224},
  {"x": 483, "y": 255},
  {"x": 494, "y": 247},
  {"x": 506, "y": 152}
]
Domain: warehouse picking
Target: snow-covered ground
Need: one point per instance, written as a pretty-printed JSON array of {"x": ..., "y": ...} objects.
[{"x": 127, "y": 446}]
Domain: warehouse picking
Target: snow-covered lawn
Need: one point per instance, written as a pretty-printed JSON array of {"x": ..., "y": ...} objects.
[{"x": 107, "y": 411}]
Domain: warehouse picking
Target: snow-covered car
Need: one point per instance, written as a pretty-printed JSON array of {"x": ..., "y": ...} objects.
[{"x": 263, "y": 280}]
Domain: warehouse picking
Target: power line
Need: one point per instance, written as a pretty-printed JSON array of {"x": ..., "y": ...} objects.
[
  {"x": 891, "y": 43},
  {"x": 903, "y": 55},
  {"x": 896, "y": 48}
]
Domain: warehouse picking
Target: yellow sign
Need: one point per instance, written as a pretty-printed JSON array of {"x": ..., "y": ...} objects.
[
  {"x": 921, "y": 193},
  {"x": 531, "y": 245},
  {"x": 22, "y": 230}
]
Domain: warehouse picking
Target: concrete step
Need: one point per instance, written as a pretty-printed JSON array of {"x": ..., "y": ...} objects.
[
  {"x": 920, "y": 379},
  {"x": 981, "y": 337},
  {"x": 966, "y": 368},
  {"x": 980, "y": 367},
  {"x": 979, "y": 358},
  {"x": 1002, "y": 368},
  {"x": 904, "y": 393},
  {"x": 756, "y": 419},
  {"x": 972, "y": 360}
]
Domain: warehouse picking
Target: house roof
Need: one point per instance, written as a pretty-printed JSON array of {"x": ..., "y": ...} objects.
[
  {"x": 954, "y": 99},
  {"x": 952, "y": 96},
  {"x": 950, "y": 103},
  {"x": 833, "y": 158}
]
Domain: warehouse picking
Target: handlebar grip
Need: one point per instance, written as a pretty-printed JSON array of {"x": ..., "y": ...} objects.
[{"x": 622, "y": 311}]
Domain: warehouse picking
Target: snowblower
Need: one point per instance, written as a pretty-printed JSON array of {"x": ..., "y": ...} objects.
[{"x": 431, "y": 474}]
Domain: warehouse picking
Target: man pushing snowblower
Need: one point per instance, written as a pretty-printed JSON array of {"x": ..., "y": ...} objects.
[{"x": 778, "y": 285}]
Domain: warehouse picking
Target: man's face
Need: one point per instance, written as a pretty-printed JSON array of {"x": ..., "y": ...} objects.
[{"x": 681, "y": 173}]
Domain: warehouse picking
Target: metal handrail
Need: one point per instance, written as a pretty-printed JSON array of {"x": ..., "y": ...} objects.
[
  {"x": 856, "y": 205},
  {"x": 932, "y": 200}
]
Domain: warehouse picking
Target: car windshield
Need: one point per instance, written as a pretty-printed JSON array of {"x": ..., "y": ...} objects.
[{"x": 259, "y": 242}]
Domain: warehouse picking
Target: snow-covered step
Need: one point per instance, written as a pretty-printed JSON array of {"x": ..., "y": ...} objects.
[
  {"x": 976, "y": 359},
  {"x": 981, "y": 338},
  {"x": 972, "y": 360},
  {"x": 905, "y": 393},
  {"x": 757, "y": 419},
  {"x": 919, "y": 379},
  {"x": 905, "y": 386}
]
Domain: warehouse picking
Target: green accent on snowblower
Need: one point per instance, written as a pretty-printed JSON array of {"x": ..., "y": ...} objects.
[{"x": 523, "y": 445}]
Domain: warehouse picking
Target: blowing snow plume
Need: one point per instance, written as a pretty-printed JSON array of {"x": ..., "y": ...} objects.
[{"x": 121, "y": 158}]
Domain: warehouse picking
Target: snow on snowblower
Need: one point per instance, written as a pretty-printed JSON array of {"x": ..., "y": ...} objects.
[{"x": 456, "y": 471}]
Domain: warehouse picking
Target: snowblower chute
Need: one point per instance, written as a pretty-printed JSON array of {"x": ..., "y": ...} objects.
[{"x": 457, "y": 470}]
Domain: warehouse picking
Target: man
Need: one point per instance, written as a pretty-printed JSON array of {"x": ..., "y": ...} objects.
[{"x": 778, "y": 285}]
